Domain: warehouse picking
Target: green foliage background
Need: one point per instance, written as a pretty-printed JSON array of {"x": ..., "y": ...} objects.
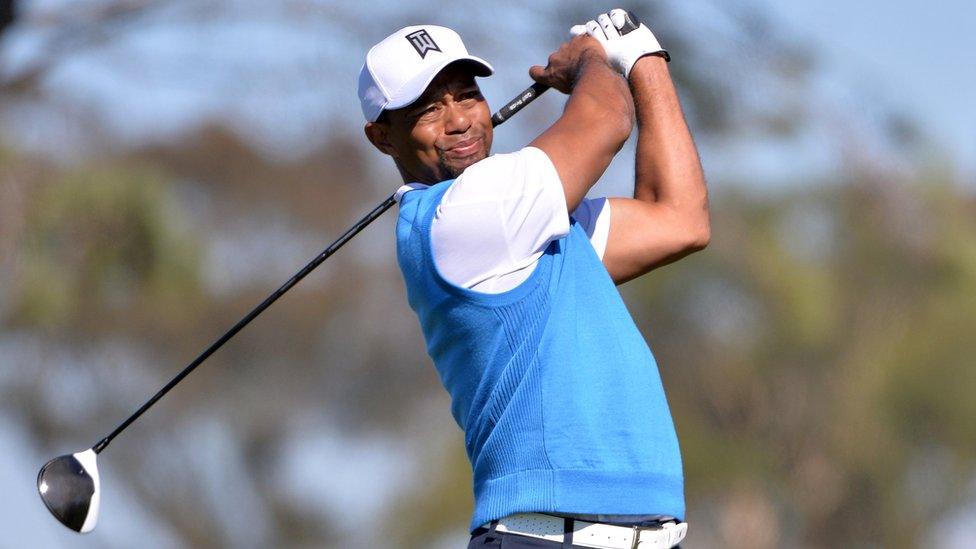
[{"x": 818, "y": 356}]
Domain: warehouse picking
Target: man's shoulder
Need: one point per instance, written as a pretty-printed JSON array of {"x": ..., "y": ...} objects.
[
  {"x": 486, "y": 166},
  {"x": 526, "y": 157},
  {"x": 504, "y": 177}
]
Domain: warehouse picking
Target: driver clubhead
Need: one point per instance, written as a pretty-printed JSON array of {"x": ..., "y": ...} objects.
[{"x": 69, "y": 487}]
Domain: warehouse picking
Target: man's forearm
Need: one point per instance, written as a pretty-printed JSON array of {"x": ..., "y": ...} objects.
[
  {"x": 596, "y": 122},
  {"x": 599, "y": 90},
  {"x": 668, "y": 170},
  {"x": 668, "y": 217}
]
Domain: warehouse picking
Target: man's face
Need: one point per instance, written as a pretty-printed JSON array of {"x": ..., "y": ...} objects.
[{"x": 440, "y": 134}]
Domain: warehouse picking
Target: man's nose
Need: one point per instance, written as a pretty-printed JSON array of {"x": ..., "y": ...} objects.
[{"x": 458, "y": 120}]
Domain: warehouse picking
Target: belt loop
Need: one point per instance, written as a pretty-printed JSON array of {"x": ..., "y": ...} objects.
[
  {"x": 492, "y": 535},
  {"x": 568, "y": 525}
]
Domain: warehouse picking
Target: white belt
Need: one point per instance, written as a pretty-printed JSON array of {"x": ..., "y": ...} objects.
[{"x": 592, "y": 534}]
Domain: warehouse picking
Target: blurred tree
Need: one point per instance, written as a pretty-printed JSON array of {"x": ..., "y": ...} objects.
[
  {"x": 822, "y": 365},
  {"x": 103, "y": 241},
  {"x": 817, "y": 356}
]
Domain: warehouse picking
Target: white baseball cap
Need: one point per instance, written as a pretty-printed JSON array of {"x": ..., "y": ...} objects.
[{"x": 399, "y": 69}]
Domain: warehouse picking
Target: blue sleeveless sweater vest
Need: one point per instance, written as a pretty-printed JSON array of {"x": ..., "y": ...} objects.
[{"x": 557, "y": 392}]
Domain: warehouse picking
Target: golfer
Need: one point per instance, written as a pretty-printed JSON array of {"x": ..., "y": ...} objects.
[{"x": 512, "y": 273}]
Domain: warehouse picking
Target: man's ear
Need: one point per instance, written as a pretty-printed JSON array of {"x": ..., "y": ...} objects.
[{"x": 379, "y": 135}]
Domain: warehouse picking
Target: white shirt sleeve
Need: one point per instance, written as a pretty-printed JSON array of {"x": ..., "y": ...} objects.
[{"x": 500, "y": 215}]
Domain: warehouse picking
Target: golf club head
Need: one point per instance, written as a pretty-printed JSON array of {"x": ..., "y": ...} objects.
[{"x": 69, "y": 487}]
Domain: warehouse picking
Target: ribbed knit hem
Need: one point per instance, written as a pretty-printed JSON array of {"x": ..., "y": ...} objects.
[{"x": 570, "y": 491}]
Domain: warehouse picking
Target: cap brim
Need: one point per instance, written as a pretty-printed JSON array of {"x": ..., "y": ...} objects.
[{"x": 413, "y": 89}]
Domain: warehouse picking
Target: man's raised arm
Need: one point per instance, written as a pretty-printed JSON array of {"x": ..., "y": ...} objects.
[
  {"x": 668, "y": 217},
  {"x": 597, "y": 119}
]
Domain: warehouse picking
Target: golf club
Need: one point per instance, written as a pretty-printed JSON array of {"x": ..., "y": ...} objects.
[{"x": 69, "y": 485}]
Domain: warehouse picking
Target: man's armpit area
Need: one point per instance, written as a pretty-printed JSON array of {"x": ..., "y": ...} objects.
[{"x": 593, "y": 215}]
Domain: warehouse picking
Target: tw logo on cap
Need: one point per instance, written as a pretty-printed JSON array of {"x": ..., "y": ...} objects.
[{"x": 422, "y": 42}]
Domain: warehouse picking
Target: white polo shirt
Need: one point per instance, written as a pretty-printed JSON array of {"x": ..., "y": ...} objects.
[{"x": 500, "y": 215}]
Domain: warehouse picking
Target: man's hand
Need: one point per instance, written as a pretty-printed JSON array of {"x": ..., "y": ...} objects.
[
  {"x": 624, "y": 38},
  {"x": 565, "y": 64}
]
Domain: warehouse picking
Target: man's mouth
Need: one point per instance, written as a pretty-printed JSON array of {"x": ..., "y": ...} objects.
[{"x": 465, "y": 148}]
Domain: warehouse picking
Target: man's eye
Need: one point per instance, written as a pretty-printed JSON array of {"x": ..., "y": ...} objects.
[{"x": 427, "y": 113}]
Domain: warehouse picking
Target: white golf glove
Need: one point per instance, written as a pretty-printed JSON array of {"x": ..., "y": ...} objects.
[{"x": 624, "y": 38}]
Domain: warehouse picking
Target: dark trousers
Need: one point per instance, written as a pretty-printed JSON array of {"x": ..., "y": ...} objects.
[{"x": 488, "y": 538}]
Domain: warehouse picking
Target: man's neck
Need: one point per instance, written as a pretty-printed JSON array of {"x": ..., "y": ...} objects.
[{"x": 412, "y": 178}]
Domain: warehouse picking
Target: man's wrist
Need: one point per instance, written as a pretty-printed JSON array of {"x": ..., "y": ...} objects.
[
  {"x": 651, "y": 63},
  {"x": 591, "y": 58},
  {"x": 593, "y": 55}
]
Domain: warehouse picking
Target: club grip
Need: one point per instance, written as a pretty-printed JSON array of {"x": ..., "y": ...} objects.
[{"x": 520, "y": 101}]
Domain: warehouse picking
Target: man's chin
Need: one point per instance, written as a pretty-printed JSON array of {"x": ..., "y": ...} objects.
[{"x": 456, "y": 167}]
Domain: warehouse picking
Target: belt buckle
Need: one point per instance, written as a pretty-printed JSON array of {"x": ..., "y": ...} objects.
[{"x": 637, "y": 532}]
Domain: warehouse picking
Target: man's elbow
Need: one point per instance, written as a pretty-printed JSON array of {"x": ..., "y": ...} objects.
[
  {"x": 700, "y": 240},
  {"x": 699, "y": 233}
]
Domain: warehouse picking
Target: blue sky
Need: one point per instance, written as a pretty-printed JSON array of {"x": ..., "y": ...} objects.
[
  {"x": 920, "y": 57},
  {"x": 870, "y": 55}
]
